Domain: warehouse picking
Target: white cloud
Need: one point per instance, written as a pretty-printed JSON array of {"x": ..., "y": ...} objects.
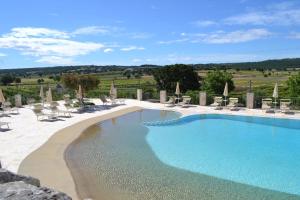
[
  {"x": 204, "y": 23},
  {"x": 174, "y": 41},
  {"x": 132, "y": 48},
  {"x": 111, "y": 31},
  {"x": 56, "y": 60},
  {"x": 60, "y": 47},
  {"x": 48, "y": 45},
  {"x": 92, "y": 30},
  {"x": 140, "y": 35},
  {"x": 221, "y": 37},
  {"x": 285, "y": 13},
  {"x": 108, "y": 50},
  {"x": 137, "y": 60},
  {"x": 236, "y": 36},
  {"x": 294, "y": 35},
  {"x": 21, "y": 32},
  {"x": 284, "y": 5}
]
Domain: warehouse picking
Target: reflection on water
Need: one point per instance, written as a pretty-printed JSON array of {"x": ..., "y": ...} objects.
[
  {"x": 113, "y": 121},
  {"x": 112, "y": 161}
]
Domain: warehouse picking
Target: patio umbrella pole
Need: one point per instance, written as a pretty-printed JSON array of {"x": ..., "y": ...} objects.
[
  {"x": 225, "y": 93},
  {"x": 177, "y": 92},
  {"x": 275, "y": 95}
]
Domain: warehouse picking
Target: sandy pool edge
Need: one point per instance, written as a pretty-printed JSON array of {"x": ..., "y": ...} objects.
[{"x": 48, "y": 164}]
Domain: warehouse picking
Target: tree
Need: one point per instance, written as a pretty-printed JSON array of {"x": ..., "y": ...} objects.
[
  {"x": 57, "y": 78},
  {"x": 137, "y": 74},
  {"x": 293, "y": 84},
  {"x": 17, "y": 80},
  {"x": 166, "y": 78},
  {"x": 70, "y": 81},
  {"x": 127, "y": 73},
  {"x": 40, "y": 80},
  {"x": 7, "y": 79},
  {"x": 87, "y": 82},
  {"x": 215, "y": 82}
]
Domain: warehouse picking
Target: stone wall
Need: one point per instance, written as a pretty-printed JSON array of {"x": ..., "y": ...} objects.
[{"x": 16, "y": 187}]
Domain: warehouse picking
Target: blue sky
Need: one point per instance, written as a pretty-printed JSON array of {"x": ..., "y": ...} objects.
[{"x": 35, "y": 33}]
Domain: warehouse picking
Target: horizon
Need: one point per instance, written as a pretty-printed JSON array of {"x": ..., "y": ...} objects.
[
  {"x": 140, "y": 65},
  {"x": 132, "y": 33}
]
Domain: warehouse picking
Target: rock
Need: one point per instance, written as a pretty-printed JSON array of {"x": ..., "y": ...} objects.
[
  {"x": 18, "y": 187},
  {"x": 0, "y": 165},
  {"x": 20, "y": 190},
  {"x": 7, "y": 176}
]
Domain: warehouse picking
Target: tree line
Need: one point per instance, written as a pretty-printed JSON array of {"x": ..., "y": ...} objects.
[
  {"x": 281, "y": 64},
  {"x": 167, "y": 77}
]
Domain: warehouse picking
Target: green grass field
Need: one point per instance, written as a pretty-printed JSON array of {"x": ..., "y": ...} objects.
[
  {"x": 262, "y": 83},
  {"x": 241, "y": 78}
]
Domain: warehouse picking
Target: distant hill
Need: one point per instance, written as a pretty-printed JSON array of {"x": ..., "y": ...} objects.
[
  {"x": 267, "y": 64},
  {"x": 80, "y": 69},
  {"x": 83, "y": 69}
]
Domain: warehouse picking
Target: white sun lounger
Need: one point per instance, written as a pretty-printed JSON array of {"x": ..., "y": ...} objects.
[
  {"x": 285, "y": 105},
  {"x": 185, "y": 101},
  {"x": 233, "y": 104},
  {"x": 54, "y": 109},
  {"x": 4, "y": 124},
  {"x": 217, "y": 103},
  {"x": 104, "y": 100},
  {"x": 111, "y": 99},
  {"x": 40, "y": 115},
  {"x": 170, "y": 102},
  {"x": 266, "y": 104},
  {"x": 8, "y": 109}
]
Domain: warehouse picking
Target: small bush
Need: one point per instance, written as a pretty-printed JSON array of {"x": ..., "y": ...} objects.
[{"x": 194, "y": 94}]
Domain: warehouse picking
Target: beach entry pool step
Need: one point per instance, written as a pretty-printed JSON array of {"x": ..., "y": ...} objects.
[{"x": 162, "y": 123}]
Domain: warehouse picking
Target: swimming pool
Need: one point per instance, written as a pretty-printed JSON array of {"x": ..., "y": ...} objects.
[
  {"x": 196, "y": 157},
  {"x": 262, "y": 152}
]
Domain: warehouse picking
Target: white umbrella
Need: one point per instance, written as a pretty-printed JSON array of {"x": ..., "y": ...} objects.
[
  {"x": 79, "y": 93},
  {"x": 275, "y": 93},
  {"x": 49, "y": 95},
  {"x": 2, "y": 99},
  {"x": 225, "y": 93},
  {"x": 112, "y": 89},
  {"x": 177, "y": 92},
  {"x": 42, "y": 93}
]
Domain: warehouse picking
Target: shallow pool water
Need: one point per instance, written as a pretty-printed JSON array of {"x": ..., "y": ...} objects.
[{"x": 207, "y": 157}]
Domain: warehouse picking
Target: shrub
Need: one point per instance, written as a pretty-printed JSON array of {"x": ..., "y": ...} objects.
[
  {"x": 194, "y": 94},
  {"x": 166, "y": 78},
  {"x": 293, "y": 84},
  {"x": 87, "y": 82},
  {"x": 215, "y": 82},
  {"x": 7, "y": 79}
]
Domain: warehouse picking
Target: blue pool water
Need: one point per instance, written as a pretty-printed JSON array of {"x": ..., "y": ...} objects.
[{"x": 262, "y": 152}]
